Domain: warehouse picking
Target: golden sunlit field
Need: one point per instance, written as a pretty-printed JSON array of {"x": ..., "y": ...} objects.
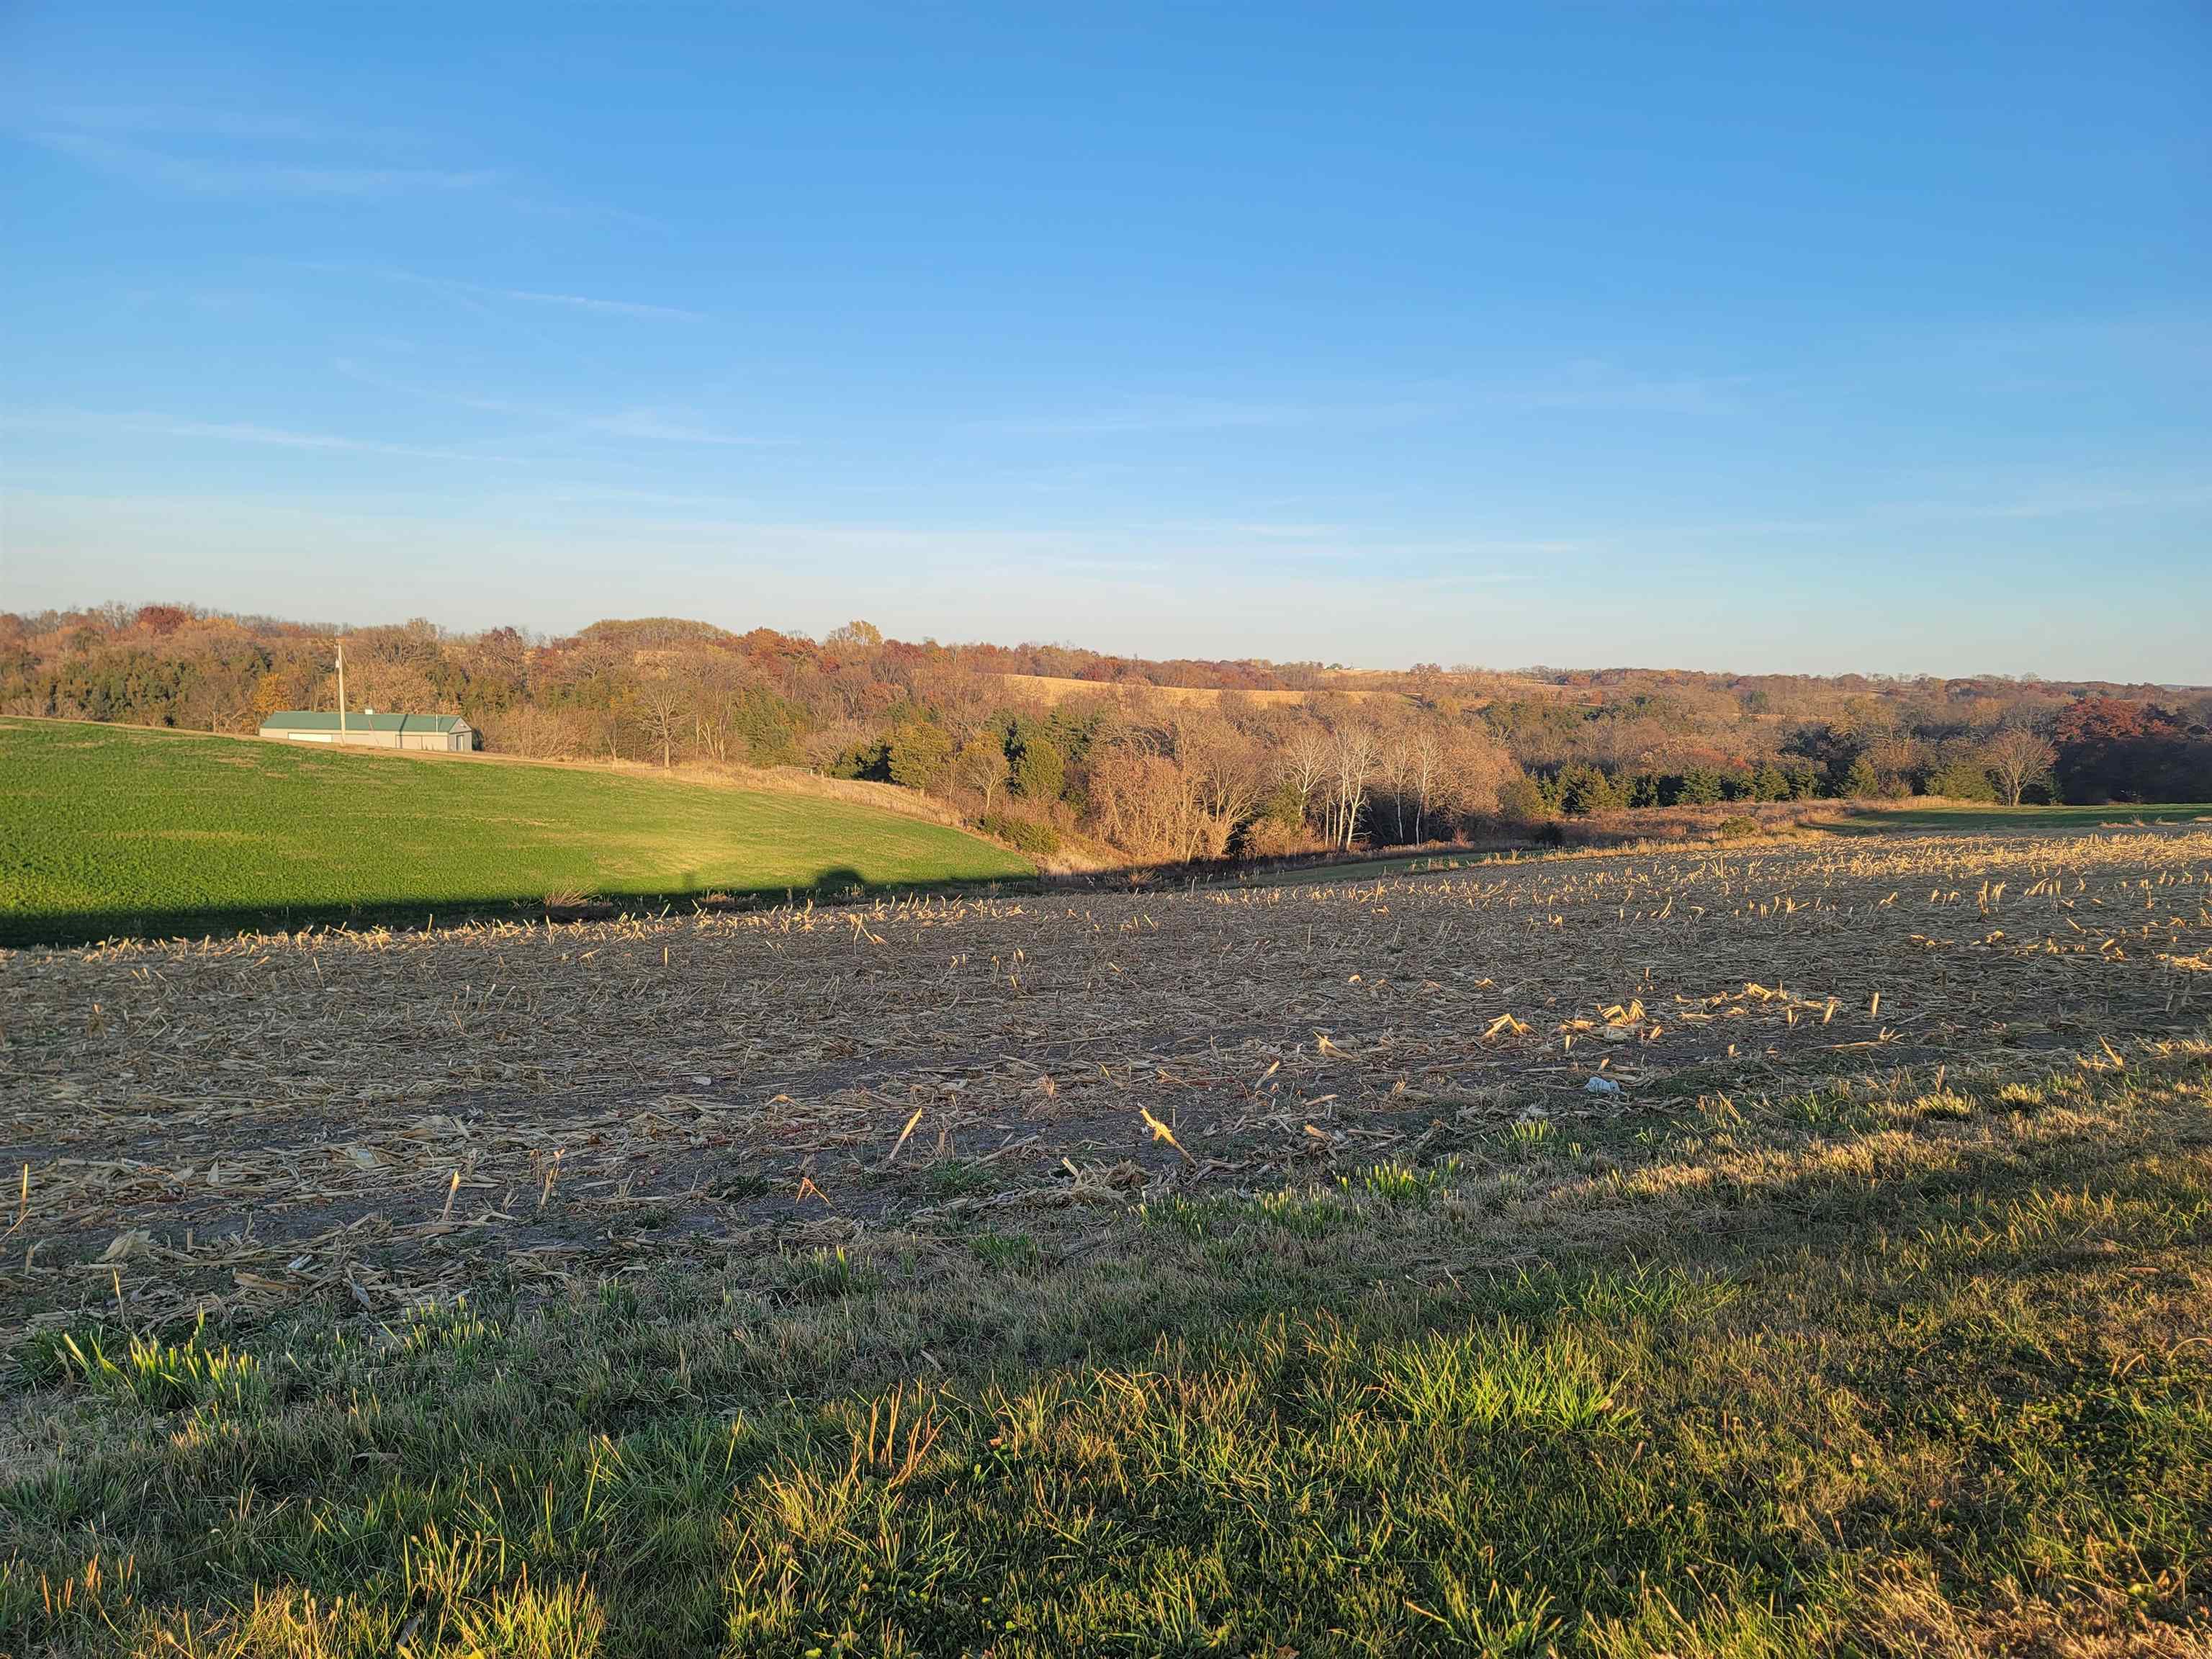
[{"x": 1797, "y": 1248}]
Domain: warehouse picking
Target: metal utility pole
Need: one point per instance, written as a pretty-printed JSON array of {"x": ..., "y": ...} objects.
[{"x": 342, "y": 712}]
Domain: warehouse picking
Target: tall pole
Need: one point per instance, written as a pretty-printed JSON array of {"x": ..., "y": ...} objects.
[{"x": 342, "y": 725}]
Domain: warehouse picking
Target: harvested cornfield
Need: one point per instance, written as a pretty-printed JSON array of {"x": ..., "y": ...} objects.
[
  {"x": 388, "y": 1116},
  {"x": 1720, "y": 1168}
]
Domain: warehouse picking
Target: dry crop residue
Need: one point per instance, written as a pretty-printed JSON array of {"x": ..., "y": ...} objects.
[{"x": 381, "y": 1119}]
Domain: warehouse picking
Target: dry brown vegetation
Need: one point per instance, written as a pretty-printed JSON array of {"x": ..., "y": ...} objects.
[{"x": 387, "y": 1117}]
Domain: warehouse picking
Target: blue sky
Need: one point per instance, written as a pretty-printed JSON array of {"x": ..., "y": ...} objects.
[{"x": 1768, "y": 337}]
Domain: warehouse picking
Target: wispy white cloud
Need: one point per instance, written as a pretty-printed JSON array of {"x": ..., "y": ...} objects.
[
  {"x": 2088, "y": 488},
  {"x": 353, "y": 370},
  {"x": 653, "y": 426},
  {"x": 653, "y": 503},
  {"x": 1926, "y": 500},
  {"x": 191, "y": 119},
  {"x": 590, "y": 302},
  {"x": 1187, "y": 414},
  {"x": 2056, "y": 500},
  {"x": 641, "y": 425},
  {"x": 1592, "y": 383},
  {"x": 203, "y": 175},
  {"x": 94, "y": 424},
  {"x": 1288, "y": 532}
]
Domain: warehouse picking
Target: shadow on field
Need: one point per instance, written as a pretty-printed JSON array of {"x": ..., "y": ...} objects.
[
  {"x": 840, "y": 883},
  {"x": 2015, "y": 820}
]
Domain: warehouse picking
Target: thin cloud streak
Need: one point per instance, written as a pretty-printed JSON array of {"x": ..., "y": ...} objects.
[
  {"x": 1587, "y": 385},
  {"x": 641, "y": 424},
  {"x": 652, "y": 427},
  {"x": 1171, "y": 415},
  {"x": 199, "y": 176},
  {"x": 1593, "y": 383},
  {"x": 586, "y": 302},
  {"x": 178, "y": 119},
  {"x": 94, "y": 424},
  {"x": 2058, "y": 503},
  {"x": 538, "y": 297}
]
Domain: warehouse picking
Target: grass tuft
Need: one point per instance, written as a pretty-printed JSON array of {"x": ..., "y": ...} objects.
[{"x": 162, "y": 1376}]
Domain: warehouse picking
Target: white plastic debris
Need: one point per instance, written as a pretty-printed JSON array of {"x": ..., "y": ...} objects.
[{"x": 1600, "y": 1085}]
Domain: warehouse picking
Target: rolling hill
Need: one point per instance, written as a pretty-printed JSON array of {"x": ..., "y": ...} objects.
[{"x": 116, "y": 830}]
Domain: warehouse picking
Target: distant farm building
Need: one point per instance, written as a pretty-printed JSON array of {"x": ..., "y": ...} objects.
[{"x": 365, "y": 729}]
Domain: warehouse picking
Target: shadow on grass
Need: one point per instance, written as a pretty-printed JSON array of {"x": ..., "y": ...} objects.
[
  {"x": 1980, "y": 819},
  {"x": 838, "y": 884},
  {"x": 841, "y": 883}
]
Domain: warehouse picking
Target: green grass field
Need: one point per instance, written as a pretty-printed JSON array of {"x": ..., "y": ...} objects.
[{"x": 109, "y": 830}]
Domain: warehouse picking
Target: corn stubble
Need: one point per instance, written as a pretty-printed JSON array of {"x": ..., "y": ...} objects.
[{"x": 1249, "y": 1270}]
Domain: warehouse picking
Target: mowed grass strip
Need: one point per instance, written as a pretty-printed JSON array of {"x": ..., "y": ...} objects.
[
  {"x": 112, "y": 828},
  {"x": 1881, "y": 1369}
]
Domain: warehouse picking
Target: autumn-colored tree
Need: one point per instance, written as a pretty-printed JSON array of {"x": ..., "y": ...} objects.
[
  {"x": 161, "y": 620},
  {"x": 2114, "y": 749},
  {"x": 1152, "y": 775}
]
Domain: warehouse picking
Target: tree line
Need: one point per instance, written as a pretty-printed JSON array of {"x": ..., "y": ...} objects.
[{"x": 1150, "y": 761}]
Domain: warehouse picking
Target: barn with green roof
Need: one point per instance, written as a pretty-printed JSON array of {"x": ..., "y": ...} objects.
[{"x": 365, "y": 728}]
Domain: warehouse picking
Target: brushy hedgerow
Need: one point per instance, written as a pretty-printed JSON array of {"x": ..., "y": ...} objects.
[{"x": 1922, "y": 1371}]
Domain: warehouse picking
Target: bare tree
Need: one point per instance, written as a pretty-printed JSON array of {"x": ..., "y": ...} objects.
[
  {"x": 541, "y": 733},
  {"x": 1145, "y": 803},
  {"x": 1897, "y": 761},
  {"x": 217, "y": 698},
  {"x": 2018, "y": 755},
  {"x": 1354, "y": 754},
  {"x": 1223, "y": 769},
  {"x": 396, "y": 686},
  {"x": 1306, "y": 761},
  {"x": 1413, "y": 757},
  {"x": 1471, "y": 770},
  {"x": 981, "y": 765},
  {"x": 663, "y": 702},
  {"x": 718, "y": 684},
  {"x": 1622, "y": 740},
  {"x": 606, "y": 722}
]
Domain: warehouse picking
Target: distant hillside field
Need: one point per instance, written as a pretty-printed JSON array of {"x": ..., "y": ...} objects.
[
  {"x": 111, "y": 830},
  {"x": 1052, "y": 690}
]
